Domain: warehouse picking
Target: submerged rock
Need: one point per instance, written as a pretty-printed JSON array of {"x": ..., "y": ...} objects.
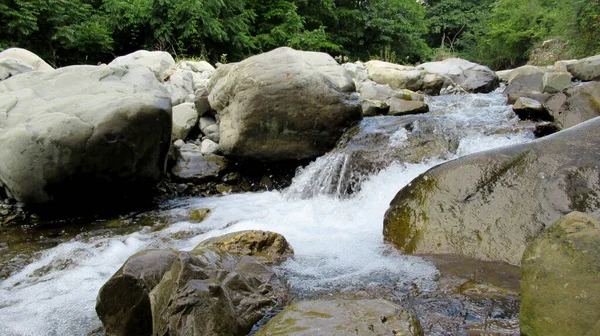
[
  {"x": 76, "y": 129},
  {"x": 267, "y": 247},
  {"x": 491, "y": 205},
  {"x": 561, "y": 280},
  {"x": 283, "y": 104},
  {"x": 343, "y": 317},
  {"x": 213, "y": 293}
]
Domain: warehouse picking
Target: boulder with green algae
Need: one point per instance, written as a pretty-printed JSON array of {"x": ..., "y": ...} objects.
[
  {"x": 199, "y": 215},
  {"x": 214, "y": 293},
  {"x": 491, "y": 205},
  {"x": 343, "y": 317},
  {"x": 560, "y": 286},
  {"x": 123, "y": 303},
  {"x": 267, "y": 247}
]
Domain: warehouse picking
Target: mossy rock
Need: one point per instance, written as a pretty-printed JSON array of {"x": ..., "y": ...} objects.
[
  {"x": 267, "y": 247},
  {"x": 561, "y": 279},
  {"x": 343, "y": 317},
  {"x": 199, "y": 215},
  {"x": 492, "y": 204}
]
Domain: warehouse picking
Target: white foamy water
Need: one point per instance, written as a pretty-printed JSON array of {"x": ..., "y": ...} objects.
[{"x": 338, "y": 242}]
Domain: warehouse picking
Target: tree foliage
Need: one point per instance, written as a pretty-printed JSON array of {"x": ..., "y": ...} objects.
[{"x": 499, "y": 33}]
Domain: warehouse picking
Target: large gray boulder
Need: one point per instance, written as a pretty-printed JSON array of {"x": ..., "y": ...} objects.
[
  {"x": 123, "y": 302},
  {"x": 283, "y": 104},
  {"x": 560, "y": 286},
  {"x": 471, "y": 77},
  {"x": 343, "y": 317},
  {"x": 157, "y": 61},
  {"x": 214, "y": 293},
  {"x": 491, "y": 205},
  {"x": 528, "y": 86},
  {"x": 586, "y": 69},
  {"x": 67, "y": 132}
]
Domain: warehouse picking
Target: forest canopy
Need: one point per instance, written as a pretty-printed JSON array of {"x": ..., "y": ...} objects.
[{"x": 498, "y": 33}]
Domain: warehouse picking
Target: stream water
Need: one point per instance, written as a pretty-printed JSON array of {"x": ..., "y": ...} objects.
[{"x": 336, "y": 234}]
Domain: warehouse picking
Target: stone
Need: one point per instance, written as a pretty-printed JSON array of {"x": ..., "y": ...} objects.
[
  {"x": 213, "y": 293},
  {"x": 282, "y": 105},
  {"x": 26, "y": 57},
  {"x": 554, "y": 82},
  {"x": 578, "y": 104},
  {"x": 528, "y": 86},
  {"x": 400, "y": 77},
  {"x": 586, "y": 69},
  {"x": 185, "y": 118},
  {"x": 343, "y": 317},
  {"x": 525, "y": 71},
  {"x": 561, "y": 66},
  {"x": 181, "y": 86},
  {"x": 265, "y": 246},
  {"x": 201, "y": 101},
  {"x": 471, "y": 77},
  {"x": 377, "y": 99},
  {"x": 12, "y": 67},
  {"x": 358, "y": 72},
  {"x": 560, "y": 285},
  {"x": 123, "y": 302},
  {"x": 157, "y": 61},
  {"x": 199, "y": 215},
  {"x": 192, "y": 166},
  {"x": 503, "y": 75},
  {"x": 544, "y": 129},
  {"x": 178, "y": 143},
  {"x": 491, "y": 205},
  {"x": 530, "y": 109},
  {"x": 403, "y": 107},
  {"x": 78, "y": 130},
  {"x": 209, "y": 147},
  {"x": 212, "y": 132}
]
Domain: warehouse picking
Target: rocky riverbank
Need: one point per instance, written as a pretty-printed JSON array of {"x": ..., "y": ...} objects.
[{"x": 91, "y": 152}]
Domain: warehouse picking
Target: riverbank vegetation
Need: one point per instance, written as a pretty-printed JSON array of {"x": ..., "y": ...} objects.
[{"x": 498, "y": 33}]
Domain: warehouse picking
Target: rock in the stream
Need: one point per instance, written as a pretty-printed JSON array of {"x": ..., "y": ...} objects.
[
  {"x": 562, "y": 66},
  {"x": 193, "y": 166},
  {"x": 528, "y": 86},
  {"x": 283, "y": 104},
  {"x": 400, "y": 77},
  {"x": 377, "y": 99},
  {"x": 576, "y": 105},
  {"x": 561, "y": 279},
  {"x": 208, "y": 147},
  {"x": 586, "y": 69},
  {"x": 343, "y": 317},
  {"x": 491, "y": 205},
  {"x": 123, "y": 303},
  {"x": 554, "y": 82},
  {"x": 525, "y": 70},
  {"x": 471, "y": 77},
  {"x": 214, "y": 293},
  {"x": 530, "y": 109},
  {"x": 358, "y": 72},
  {"x": 267, "y": 247},
  {"x": 82, "y": 130},
  {"x": 185, "y": 118},
  {"x": 157, "y": 61}
]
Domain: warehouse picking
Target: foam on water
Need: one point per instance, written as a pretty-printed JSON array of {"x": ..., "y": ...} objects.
[{"x": 338, "y": 242}]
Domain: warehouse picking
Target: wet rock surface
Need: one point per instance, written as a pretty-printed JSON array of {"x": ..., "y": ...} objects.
[
  {"x": 561, "y": 279},
  {"x": 491, "y": 205},
  {"x": 343, "y": 317}
]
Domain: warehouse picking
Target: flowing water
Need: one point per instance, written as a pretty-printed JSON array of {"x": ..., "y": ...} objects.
[{"x": 334, "y": 224}]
